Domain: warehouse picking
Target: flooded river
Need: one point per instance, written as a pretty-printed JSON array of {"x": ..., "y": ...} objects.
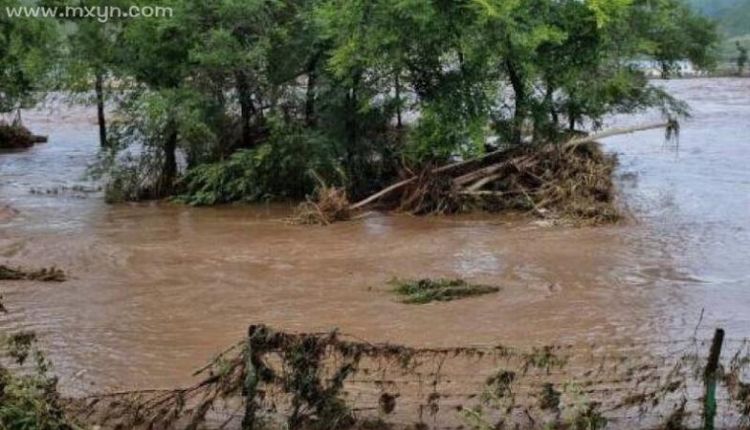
[{"x": 157, "y": 289}]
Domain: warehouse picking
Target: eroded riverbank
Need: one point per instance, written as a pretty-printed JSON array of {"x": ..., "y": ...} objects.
[{"x": 156, "y": 289}]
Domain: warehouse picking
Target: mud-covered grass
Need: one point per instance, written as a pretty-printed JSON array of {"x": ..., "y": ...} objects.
[
  {"x": 424, "y": 291},
  {"x": 51, "y": 274}
]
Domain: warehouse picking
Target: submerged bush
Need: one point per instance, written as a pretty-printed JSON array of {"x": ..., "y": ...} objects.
[
  {"x": 277, "y": 169},
  {"x": 442, "y": 290}
]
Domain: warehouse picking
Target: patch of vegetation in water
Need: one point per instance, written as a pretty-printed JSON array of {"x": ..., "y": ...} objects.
[
  {"x": 52, "y": 274},
  {"x": 438, "y": 290}
]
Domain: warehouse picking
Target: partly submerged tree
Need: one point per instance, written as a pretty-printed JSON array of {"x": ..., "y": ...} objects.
[{"x": 90, "y": 60}]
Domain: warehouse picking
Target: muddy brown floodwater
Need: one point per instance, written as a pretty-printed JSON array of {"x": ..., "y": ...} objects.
[{"x": 157, "y": 289}]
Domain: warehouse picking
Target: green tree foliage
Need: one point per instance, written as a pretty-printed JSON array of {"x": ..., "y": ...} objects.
[
  {"x": 27, "y": 47},
  {"x": 674, "y": 32},
  {"x": 248, "y": 96},
  {"x": 91, "y": 56}
]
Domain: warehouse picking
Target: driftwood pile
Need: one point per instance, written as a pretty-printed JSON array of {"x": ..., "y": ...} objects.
[{"x": 571, "y": 180}]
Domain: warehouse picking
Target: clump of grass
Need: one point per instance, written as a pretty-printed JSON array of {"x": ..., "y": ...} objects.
[
  {"x": 438, "y": 290},
  {"x": 52, "y": 274}
]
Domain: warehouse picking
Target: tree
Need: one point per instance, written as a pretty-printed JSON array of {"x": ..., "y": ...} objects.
[
  {"x": 741, "y": 59},
  {"x": 676, "y": 33},
  {"x": 91, "y": 58},
  {"x": 27, "y": 49},
  {"x": 156, "y": 54}
]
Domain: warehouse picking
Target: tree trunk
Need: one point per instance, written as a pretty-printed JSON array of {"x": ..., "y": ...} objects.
[
  {"x": 571, "y": 119},
  {"x": 312, "y": 80},
  {"x": 169, "y": 168},
  {"x": 99, "y": 90},
  {"x": 246, "y": 107},
  {"x": 549, "y": 98},
  {"x": 399, "y": 122},
  {"x": 351, "y": 125},
  {"x": 519, "y": 89},
  {"x": 665, "y": 70}
]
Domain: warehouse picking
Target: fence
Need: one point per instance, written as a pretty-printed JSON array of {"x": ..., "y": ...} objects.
[{"x": 330, "y": 380}]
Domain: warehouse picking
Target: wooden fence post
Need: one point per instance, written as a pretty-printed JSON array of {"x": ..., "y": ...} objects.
[{"x": 709, "y": 379}]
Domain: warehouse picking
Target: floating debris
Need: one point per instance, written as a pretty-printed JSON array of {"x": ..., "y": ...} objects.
[
  {"x": 439, "y": 290},
  {"x": 329, "y": 205},
  {"x": 52, "y": 274}
]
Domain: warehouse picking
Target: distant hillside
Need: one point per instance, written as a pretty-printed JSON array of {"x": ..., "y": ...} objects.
[{"x": 733, "y": 15}]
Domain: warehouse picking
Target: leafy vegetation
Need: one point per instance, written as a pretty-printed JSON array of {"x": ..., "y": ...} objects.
[
  {"x": 733, "y": 19},
  {"x": 441, "y": 290},
  {"x": 25, "y": 49},
  {"x": 248, "y": 98},
  {"x": 230, "y": 101},
  {"x": 28, "y": 396}
]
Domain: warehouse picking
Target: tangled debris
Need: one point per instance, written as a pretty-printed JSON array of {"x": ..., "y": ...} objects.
[
  {"x": 328, "y": 380},
  {"x": 571, "y": 181},
  {"x": 51, "y": 274},
  {"x": 329, "y": 205},
  {"x": 441, "y": 290},
  {"x": 548, "y": 181}
]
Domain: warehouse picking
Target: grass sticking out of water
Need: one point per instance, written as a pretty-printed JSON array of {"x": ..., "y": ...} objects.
[
  {"x": 52, "y": 274},
  {"x": 437, "y": 290}
]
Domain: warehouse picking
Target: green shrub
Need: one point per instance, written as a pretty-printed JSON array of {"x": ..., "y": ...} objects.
[
  {"x": 277, "y": 169},
  {"x": 28, "y": 394}
]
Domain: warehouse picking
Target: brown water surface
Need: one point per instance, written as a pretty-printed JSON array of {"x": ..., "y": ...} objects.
[{"x": 156, "y": 289}]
